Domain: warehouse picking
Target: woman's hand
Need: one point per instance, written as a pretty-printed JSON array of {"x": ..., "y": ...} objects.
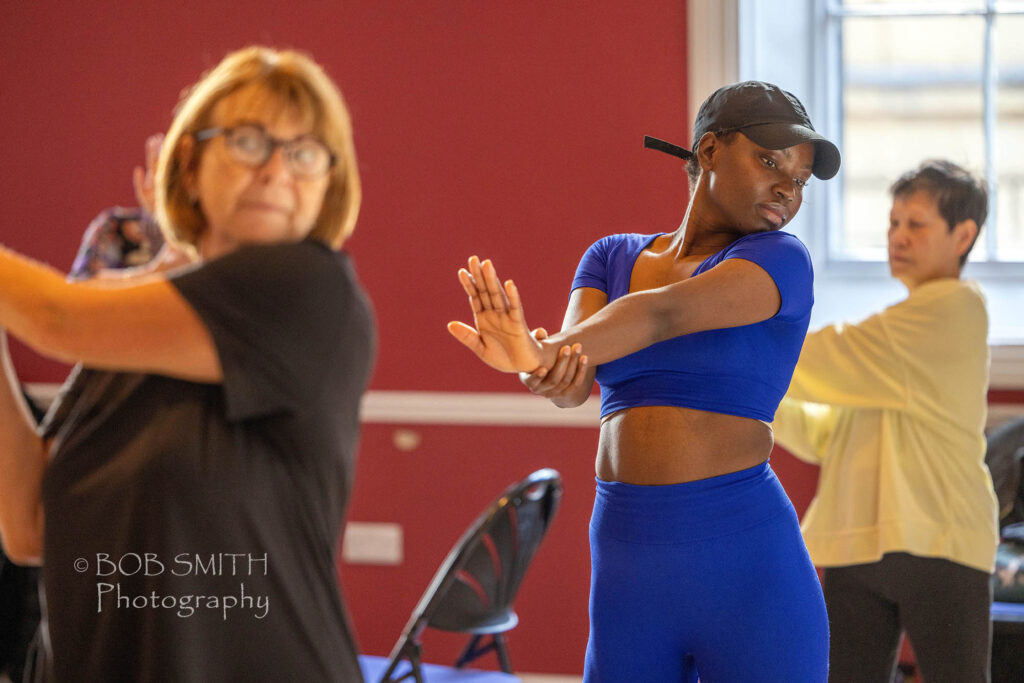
[
  {"x": 563, "y": 378},
  {"x": 499, "y": 336},
  {"x": 143, "y": 178}
]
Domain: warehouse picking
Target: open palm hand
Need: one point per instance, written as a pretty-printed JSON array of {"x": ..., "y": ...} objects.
[{"x": 499, "y": 335}]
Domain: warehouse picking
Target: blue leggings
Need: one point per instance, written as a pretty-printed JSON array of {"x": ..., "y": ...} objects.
[{"x": 707, "y": 578}]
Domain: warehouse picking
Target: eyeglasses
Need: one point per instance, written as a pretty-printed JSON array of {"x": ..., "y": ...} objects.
[{"x": 249, "y": 144}]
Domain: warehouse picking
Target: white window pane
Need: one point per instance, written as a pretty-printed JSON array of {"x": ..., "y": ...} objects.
[
  {"x": 916, "y": 5},
  {"x": 1009, "y": 147},
  {"x": 941, "y": 44},
  {"x": 912, "y": 90}
]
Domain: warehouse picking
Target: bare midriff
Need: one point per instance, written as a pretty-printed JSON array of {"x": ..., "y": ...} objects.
[{"x": 657, "y": 445}]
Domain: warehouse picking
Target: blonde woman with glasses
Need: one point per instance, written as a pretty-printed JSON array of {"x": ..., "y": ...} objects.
[{"x": 186, "y": 491}]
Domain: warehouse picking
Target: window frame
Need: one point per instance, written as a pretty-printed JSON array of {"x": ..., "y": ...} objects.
[
  {"x": 832, "y": 13},
  {"x": 732, "y": 40}
]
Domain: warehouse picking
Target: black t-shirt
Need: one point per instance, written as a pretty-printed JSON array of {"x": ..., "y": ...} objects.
[{"x": 191, "y": 528}]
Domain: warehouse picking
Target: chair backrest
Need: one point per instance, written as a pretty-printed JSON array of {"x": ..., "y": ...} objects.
[
  {"x": 1004, "y": 456},
  {"x": 475, "y": 586}
]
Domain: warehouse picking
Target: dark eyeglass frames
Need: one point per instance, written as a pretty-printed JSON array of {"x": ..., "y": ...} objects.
[{"x": 249, "y": 144}]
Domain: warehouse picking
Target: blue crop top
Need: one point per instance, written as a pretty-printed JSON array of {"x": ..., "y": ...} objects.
[{"x": 741, "y": 371}]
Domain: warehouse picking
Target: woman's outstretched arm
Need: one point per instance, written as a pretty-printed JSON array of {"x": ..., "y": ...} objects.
[
  {"x": 141, "y": 325},
  {"x": 734, "y": 293}
]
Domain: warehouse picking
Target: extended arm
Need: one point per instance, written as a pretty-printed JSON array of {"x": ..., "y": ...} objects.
[
  {"x": 143, "y": 326},
  {"x": 736, "y": 292},
  {"x": 855, "y": 365},
  {"x": 23, "y": 456}
]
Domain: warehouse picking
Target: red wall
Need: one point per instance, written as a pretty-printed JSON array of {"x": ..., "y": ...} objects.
[{"x": 508, "y": 128}]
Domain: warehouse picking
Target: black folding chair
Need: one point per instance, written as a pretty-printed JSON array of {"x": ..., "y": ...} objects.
[
  {"x": 473, "y": 590},
  {"x": 1005, "y": 460}
]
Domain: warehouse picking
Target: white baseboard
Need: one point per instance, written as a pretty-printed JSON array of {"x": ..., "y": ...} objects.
[
  {"x": 525, "y": 410},
  {"x": 504, "y": 409}
]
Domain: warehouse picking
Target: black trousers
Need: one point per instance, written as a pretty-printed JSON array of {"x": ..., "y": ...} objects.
[{"x": 943, "y": 607}]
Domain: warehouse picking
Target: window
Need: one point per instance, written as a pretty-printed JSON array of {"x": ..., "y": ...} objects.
[
  {"x": 918, "y": 79},
  {"x": 892, "y": 83}
]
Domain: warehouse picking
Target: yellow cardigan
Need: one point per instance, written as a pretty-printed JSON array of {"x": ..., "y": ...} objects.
[{"x": 893, "y": 409}]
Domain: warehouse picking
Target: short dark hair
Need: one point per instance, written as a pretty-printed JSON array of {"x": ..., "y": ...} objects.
[{"x": 959, "y": 195}]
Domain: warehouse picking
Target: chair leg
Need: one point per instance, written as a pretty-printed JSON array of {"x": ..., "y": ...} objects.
[
  {"x": 497, "y": 644},
  {"x": 470, "y": 653},
  {"x": 410, "y": 652},
  {"x": 502, "y": 647}
]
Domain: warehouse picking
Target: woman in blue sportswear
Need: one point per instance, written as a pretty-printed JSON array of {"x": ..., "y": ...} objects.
[{"x": 698, "y": 566}]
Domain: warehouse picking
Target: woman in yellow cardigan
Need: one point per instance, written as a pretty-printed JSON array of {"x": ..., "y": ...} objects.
[{"x": 893, "y": 409}]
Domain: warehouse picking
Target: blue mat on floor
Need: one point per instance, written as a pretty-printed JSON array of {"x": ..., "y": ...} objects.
[
  {"x": 1008, "y": 611},
  {"x": 374, "y": 667}
]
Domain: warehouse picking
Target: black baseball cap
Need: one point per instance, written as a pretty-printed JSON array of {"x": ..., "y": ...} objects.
[{"x": 765, "y": 113}]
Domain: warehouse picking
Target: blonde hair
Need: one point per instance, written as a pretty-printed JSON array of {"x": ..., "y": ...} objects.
[{"x": 294, "y": 80}]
